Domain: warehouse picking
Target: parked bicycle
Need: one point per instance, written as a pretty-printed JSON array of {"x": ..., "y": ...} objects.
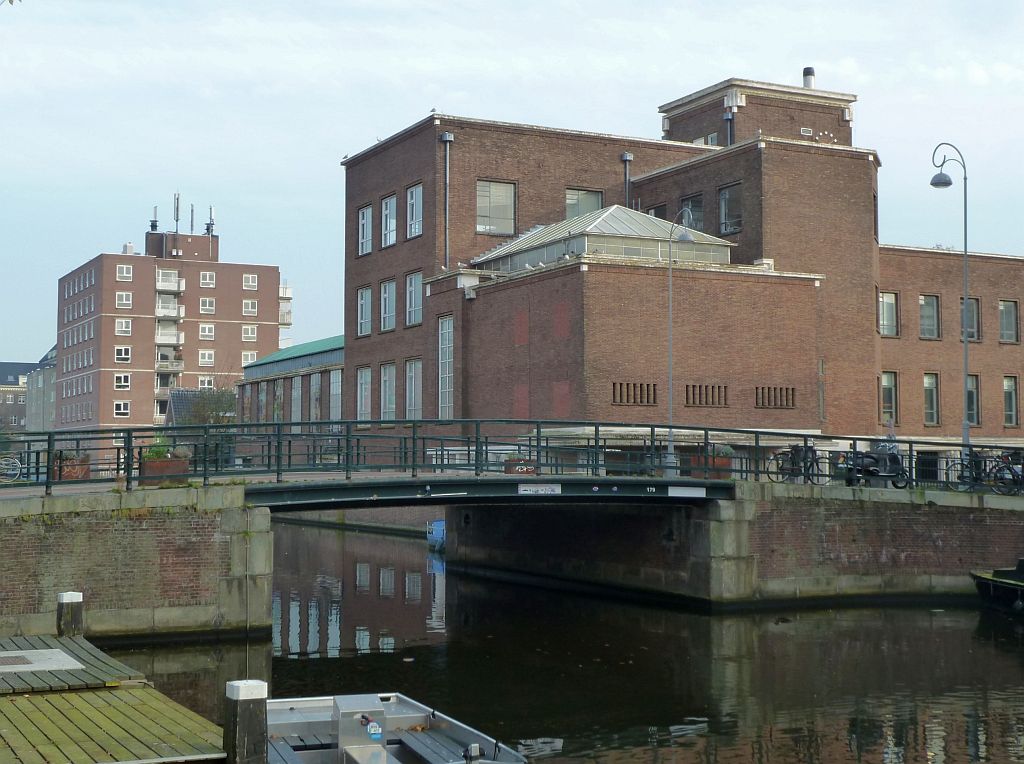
[
  {"x": 967, "y": 474},
  {"x": 799, "y": 461},
  {"x": 10, "y": 469},
  {"x": 1007, "y": 474}
]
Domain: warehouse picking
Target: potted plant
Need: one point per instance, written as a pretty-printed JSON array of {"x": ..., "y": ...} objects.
[
  {"x": 69, "y": 464},
  {"x": 719, "y": 461},
  {"x": 163, "y": 464}
]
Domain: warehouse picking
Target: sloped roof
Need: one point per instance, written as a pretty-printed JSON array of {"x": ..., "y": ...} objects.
[
  {"x": 615, "y": 220},
  {"x": 10, "y": 371},
  {"x": 306, "y": 348}
]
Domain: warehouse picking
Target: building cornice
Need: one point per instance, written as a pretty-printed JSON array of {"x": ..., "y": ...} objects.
[{"x": 753, "y": 87}]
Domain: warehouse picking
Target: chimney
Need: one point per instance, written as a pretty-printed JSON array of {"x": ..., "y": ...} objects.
[
  {"x": 128, "y": 249},
  {"x": 809, "y": 77}
]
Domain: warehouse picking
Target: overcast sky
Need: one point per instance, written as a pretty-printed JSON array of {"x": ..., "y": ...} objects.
[{"x": 108, "y": 107}]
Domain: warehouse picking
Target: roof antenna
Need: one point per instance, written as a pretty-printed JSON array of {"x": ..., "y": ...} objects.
[
  {"x": 153, "y": 220},
  {"x": 209, "y": 226},
  {"x": 177, "y": 210},
  {"x": 191, "y": 218}
]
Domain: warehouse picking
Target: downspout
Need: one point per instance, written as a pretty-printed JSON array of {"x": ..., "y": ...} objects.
[{"x": 446, "y": 139}]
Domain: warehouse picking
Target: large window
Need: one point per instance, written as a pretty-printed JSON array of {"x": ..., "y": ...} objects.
[
  {"x": 206, "y": 357},
  {"x": 123, "y": 299},
  {"x": 414, "y": 389},
  {"x": 414, "y": 211},
  {"x": 297, "y": 403},
  {"x": 929, "y": 309},
  {"x": 124, "y": 272},
  {"x": 1010, "y": 416},
  {"x": 248, "y": 332},
  {"x": 122, "y": 408},
  {"x": 579, "y": 202},
  {"x": 208, "y": 305},
  {"x": 387, "y": 305},
  {"x": 973, "y": 401},
  {"x": 248, "y": 356},
  {"x": 388, "y": 221},
  {"x": 888, "y": 314},
  {"x": 365, "y": 230},
  {"x": 207, "y": 279},
  {"x": 387, "y": 391},
  {"x": 123, "y": 327},
  {"x": 122, "y": 381},
  {"x": 364, "y": 304},
  {"x": 123, "y": 354},
  {"x": 973, "y": 320},
  {"x": 363, "y": 379},
  {"x": 659, "y": 211},
  {"x": 414, "y": 299},
  {"x": 445, "y": 367},
  {"x": 250, "y": 281},
  {"x": 695, "y": 204},
  {"x": 207, "y": 331},
  {"x": 1009, "y": 330},
  {"x": 335, "y": 402},
  {"x": 888, "y": 397},
  {"x": 730, "y": 209},
  {"x": 250, "y": 307},
  {"x": 315, "y": 397},
  {"x": 495, "y": 207},
  {"x": 931, "y": 398}
]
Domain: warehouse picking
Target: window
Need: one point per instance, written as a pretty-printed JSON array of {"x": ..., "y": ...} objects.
[
  {"x": 973, "y": 401},
  {"x": 695, "y": 204},
  {"x": 123, "y": 327},
  {"x": 206, "y": 331},
  {"x": 249, "y": 280},
  {"x": 124, "y": 272},
  {"x": 206, "y": 357},
  {"x": 931, "y": 399},
  {"x": 205, "y": 383},
  {"x": 1008, "y": 327},
  {"x": 387, "y": 391},
  {"x": 297, "y": 402},
  {"x": 580, "y": 202},
  {"x": 122, "y": 354},
  {"x": 248, "y": 332},
  {"x": 249, "y": 307},
  {"x": 207, "y": 304},
  {"x": 335, "y": 392},
  {"x": 888, "y": 314},
  {"x": 414, "y": 211},
  {"x": 387, "y": 305},
  {"x": 973, "y": 318},
  {"x": 363, "y": 379},
  {"x": 414, "y": 299},
  {"x": 730, "y": 209},
  {"x": 123, "y": 300},
  {"x": 929, "y": 309},
  {"x": 364, "y": 299},
  {"x": 495, "y": 208},
  {"x": 365, "y": 230},
  {"x": 122, "y": 381},
  {"x": 21, "y": 398},
  {"x": 207, "y": 279},
  {"x": 888, "y": 398},
  {"x": 122, "y": 408},
  {"x": 445, "y": 367},
  {"x": 1010, "y": 418},
  {"x": 660, "y": 211},
  {"x": 414, "y": 389},
  {"x": 315, "y": 401},
  {"x": 388, "y": 221},
  {"x": 248, "y": 356}
]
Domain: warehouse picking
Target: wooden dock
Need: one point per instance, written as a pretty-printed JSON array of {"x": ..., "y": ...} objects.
[{"x": 63, "y": 701}]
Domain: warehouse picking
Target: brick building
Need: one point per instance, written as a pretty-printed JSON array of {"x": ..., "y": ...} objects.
[
  {"x": 14, "y": 394},
  {"x": 133, "y": 326},
  {"x": 807, "y": 324}
]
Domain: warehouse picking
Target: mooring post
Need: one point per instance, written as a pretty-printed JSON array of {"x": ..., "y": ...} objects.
[
  {"x": 70, "y": 614},
  {"x": 245, "y": 722}
]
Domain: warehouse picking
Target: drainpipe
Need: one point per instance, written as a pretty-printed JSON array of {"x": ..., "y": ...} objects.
[
  {"x": 446, "y": 139},
  {"x": 627, "y": 157}
]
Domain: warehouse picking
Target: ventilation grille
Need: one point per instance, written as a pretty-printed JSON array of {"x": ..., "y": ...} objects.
[
  {"x": 707, "y": 396},
  {"x": 634, "y": 393},
  {"x": 768, "y": 397}
]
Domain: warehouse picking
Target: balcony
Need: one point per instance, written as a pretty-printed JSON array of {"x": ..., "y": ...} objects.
[
  {"x": 177, "y": 312},
  {"x": 159, "y": 419},
  {"x": 162, "y": 393},
  {"x": 284, "y": 292},
  {"x": 172, "y": 366},
  {"x": 284, "y": 315},
  {"x": 174, "y": 339},
  {"x": 174, "y": 286}
]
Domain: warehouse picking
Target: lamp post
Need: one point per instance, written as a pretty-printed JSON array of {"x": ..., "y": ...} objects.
[
  {"x": 684, "y": 235},
  {"x": 942, "y": 180}
]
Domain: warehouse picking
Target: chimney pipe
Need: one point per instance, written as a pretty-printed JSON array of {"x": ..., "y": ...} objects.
[{"x": 809, "y": 77}]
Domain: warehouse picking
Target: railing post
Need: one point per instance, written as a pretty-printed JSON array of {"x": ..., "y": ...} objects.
[
  {"x": 415, "y": 451},
  {"x": 348, "y": 450},
  {"x": 538, "y": 459},
  {"x": 707, "y": 453},
  {"x": 279, "y": 451},
  {"x": 129, "y": 459},
  {"x": 206, "y": 455},
  {"x": 595, "y": 456},
  {"x": 477, "y": 467},
  {"x": 50, "y": 453},
  {"x": 757, "y": 456}
]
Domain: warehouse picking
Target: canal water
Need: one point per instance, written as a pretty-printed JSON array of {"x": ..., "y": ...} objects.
[{"x": 576, "y": 679}]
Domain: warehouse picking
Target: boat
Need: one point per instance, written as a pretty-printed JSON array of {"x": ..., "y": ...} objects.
[
  {"x": 1003, "y": 587},
  {"x": 375, "y": 728}
]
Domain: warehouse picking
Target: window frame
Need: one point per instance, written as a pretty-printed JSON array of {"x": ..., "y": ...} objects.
[
  {"x": 581, "y": 194},
  {"x": 446, "y": 366},
  {"x": 250, "y": 282},
  {"x": 973, "y": 413},
  {"x": 122, "y": 327},
  {"x": 727, "y": 225},
  {"x": 208, "y": 283},
  {"x": 884, "y": 329},
  {"x": 892, "y": 411},
  {"x": 922, "y": 300},
  {"x": 965, "y": 330},
  {"x": 205, "y": 382},
  {"x": 364, "y": 394},
  {"x": 487, "y": 228},
  {"x": 387, "y": 391},
  {"x": 414, "y": 388},
  {"x": 207, "y": 306},
  {"x": 364, "y": 230},
  {"x": 207, "y": 331},
  {"x": 414, "y": 211},
  {"x": 414, "y": 298},
  {"x": 388, "y": 221},
  {"x": 364, "y": 311},
  {"x": 207, "y": 357},
  {"x": 123, "y": 300},
  {"x": 1011, "y": 412},
  {"x": 125, "y": 353},
  {"x": 122, "y": 409},
  {"x": 245, "y": 353},
  {"x": 249, "y": 332},
  {"x": 250, "y": 307},
  {"x": 388, "y": 296},
  {"x": 124, "y": 272},
  {"x": 697, "y": 220},
  {"x": 1015, "y": 338},
  {"x": 123, "y": 380},
  {"x": 936, "y": 414}
]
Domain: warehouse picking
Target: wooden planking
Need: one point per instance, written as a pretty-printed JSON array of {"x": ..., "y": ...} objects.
[
  {"x": 204, "y": 732},
  {"x": 97, "y": 671},
  {"x": 47, "y": 726},
  {"x": 101, "y": 737},
  {"x": 48, "y": 706},
  {"x": 118, "y": 669}
]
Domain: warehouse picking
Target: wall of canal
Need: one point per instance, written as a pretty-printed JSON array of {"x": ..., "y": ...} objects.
[{"x": 149, "y": 562}]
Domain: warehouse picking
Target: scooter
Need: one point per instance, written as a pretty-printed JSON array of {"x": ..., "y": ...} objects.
[{"x": 882, "y": 462}]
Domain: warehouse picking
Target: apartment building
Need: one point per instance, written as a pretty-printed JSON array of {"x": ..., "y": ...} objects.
[
  {"x": 807, "y": 323},
  {"x": 14, "y": 395},
  {"x": 133, "y": 326},
  {"x": 41, "y": 385}
]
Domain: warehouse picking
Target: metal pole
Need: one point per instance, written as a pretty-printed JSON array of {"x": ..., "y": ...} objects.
[
  {"x": 670, "y": 456},
  {"x": 966, "y": 423}
]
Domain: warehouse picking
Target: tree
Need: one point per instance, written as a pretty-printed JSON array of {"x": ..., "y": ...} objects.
[{"x": 212, "y": 406}]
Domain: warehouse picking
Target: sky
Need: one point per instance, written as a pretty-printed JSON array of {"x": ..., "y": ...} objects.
[{"x": 109, "y": 107}]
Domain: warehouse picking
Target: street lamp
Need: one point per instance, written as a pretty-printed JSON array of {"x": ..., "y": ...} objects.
[
  {"x": 684, "y": 235},
  {"x": 941, "y": 180}
]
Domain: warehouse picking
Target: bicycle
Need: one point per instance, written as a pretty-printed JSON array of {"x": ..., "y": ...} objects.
[
  {"x": 1007, "y": 475},
  {"x": 798, "y": 462},
  {"x": 965, "y": 474},
  {"x": 10, "y": 469}
]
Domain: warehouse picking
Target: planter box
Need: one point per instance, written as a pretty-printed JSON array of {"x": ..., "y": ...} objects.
[{"x": 163, "y": 472}]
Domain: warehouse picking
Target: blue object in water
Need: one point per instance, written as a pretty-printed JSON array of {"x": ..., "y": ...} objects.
[{"x": 435, "y": 535}]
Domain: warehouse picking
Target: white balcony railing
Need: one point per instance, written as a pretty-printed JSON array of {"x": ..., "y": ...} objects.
[
  {"x": 284, "y": 316},
  {"x": 284, "y": 292},
  {"x": 170, "y": 338},
  {"x": 170, "y": 365},
  {"x": 170, "y": 311},
  {"x": 170, "y": 285}
]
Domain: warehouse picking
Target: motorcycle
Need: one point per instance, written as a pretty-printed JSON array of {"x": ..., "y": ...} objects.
[{"x": 882, "y": 462}]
